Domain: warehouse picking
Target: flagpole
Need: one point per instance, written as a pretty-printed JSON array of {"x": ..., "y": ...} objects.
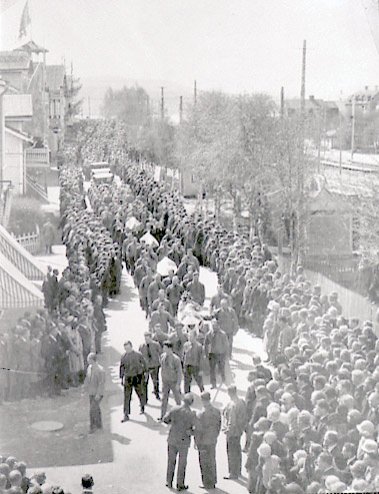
[{"x": 30, "y": 17}]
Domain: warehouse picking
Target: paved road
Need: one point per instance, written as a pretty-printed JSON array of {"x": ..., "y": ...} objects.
[{"x": 139, "y": 446}]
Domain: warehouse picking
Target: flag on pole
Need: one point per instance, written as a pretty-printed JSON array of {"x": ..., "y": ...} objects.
[{"x": 25, "y": 21}]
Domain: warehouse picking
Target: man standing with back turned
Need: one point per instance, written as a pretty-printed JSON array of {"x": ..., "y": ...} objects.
[
  {"x": 207, "y": 429},
  {"x": 182, "y": 420}
]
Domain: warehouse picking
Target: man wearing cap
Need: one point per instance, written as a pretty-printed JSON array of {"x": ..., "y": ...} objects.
[
  {"x": 171, "y": 374},
  {"x": 151, "y": 351},
  {"x": 216, "y": 347},
  {"x": 234, "y": 415},
  {"x": 192, "y": 355},
  {"x": 196, "y": 289},
  {"x": 182, "y": 420},
  {"x": 95, "y": 383},
  {"x": 163, "y": 317},
  {"x": 132, "y": 374},
  {"x": 207, "y": 429},
  {"x": 174, "y": 292},
  {"x": 228, "y": 321}
]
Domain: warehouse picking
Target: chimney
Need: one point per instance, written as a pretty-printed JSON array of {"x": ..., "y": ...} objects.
[
  {"x": 311, "y": 97},
  {"x": 366, "y": 88}
]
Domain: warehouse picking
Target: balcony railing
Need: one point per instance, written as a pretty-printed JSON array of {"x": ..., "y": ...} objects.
[{"x": 37, "y": 157}]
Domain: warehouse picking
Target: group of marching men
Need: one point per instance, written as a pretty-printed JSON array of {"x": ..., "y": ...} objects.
[{"x": 313, "y": 419}]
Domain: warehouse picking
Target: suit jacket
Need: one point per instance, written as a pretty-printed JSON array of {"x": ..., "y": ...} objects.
[
  {"x": 152, "y": 360},
  {"x": 182, "y": 420},
  {"x": 132, "y": 364},
  {"x": 208, "y": 426},
  {"x": 95, "y": 380}
]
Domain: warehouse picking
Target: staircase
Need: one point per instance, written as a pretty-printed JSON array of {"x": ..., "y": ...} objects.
[{"x": 36, "y": 190}]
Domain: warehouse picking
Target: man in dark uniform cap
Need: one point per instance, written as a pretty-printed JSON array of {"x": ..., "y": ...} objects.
[{"x": 207, "y": 429}]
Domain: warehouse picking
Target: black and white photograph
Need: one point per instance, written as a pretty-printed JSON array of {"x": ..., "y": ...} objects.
[{"x": 189, "y": 246}]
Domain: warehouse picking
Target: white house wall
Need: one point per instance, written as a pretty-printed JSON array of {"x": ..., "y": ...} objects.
[{"x": 14, "y": 161}]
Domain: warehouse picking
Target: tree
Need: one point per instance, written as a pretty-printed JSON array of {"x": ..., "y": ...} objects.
[{"x": 129, "y": 104}]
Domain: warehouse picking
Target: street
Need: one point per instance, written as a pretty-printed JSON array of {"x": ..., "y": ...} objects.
[{"x": 137, "y": 449}]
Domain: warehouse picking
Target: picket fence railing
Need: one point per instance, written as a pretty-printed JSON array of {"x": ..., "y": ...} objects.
[{"x": 32, "y": 242}]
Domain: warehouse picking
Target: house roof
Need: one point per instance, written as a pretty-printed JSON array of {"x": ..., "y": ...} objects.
[
  {"x": 17, "y": 133},
  {"x": 295, "y": 104},
  {"x": 32, "y": 47},
  {"x": 18, "y": 106},
  {"x": 14, "y": 60},
  {"x": 55, "y": 77}
]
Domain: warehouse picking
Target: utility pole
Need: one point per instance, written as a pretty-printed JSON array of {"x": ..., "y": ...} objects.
[
  {"x": 44, "y": 116},
  {"x": 162, "y": 103},
  {"x": 147, "y": 106},
  {"x": 300, "y": 230},
  {"x": 282, "y": 102},
  {"x": 352, "y": 128},
  {"x": 194, "y": 92},
  {"x": 89, "y": 107},
  {"x": 181, "y": 109}
]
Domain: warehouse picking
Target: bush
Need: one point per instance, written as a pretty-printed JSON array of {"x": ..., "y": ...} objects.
[{"x": 25, "y": 215}]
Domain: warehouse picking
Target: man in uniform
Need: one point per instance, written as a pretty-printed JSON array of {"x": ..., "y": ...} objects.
[
  {"x": 171, "y": 373},
  {"x": 228, "y": 321},
  {"x": 174, "y": 293},
  {"x": 208, "y": 425},
  {"x": 216, "y": 347},
  {"x": 196, "y": 289},
  {"x": 132, "y": 374},
  {"x": 143, "y": 288},
  {"x": 151, "y": 351},
  {"x": 192, "y": 355},
  {"x": 163, "y": 317},
  {"x": 182, "y": 420}
]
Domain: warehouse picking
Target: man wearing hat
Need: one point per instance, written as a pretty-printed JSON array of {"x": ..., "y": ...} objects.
[
  {"x": 182, "y": 420},
  {"x": 208, "y": 425}
]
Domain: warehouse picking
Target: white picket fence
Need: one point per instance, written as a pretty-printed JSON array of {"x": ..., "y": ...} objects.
[{"x": 32, "y": 242}]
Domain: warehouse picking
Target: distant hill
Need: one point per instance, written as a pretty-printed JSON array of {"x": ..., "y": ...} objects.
[{"x": 93, "y": 91}]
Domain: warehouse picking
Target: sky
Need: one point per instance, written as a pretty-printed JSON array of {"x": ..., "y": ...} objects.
[{"x": 231, "y": 45}]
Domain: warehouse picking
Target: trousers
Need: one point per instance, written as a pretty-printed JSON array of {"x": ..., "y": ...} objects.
[
  {"x": 168, "y": 386},
  {"x": 192, "y": 371},
  {"x": 207, "y": 461},
  {"x": 136, "y": 383},
  {"x": 233, "y": 449},
  {"x": 95, "y": 419},
  {"x": 219, "y": 360},
  {"x": 154, "y": 374},
  {"x": 172, "y": 452}
]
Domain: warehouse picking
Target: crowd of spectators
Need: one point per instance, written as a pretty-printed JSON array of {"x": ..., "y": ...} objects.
[{"x": 15, "y": 479}]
